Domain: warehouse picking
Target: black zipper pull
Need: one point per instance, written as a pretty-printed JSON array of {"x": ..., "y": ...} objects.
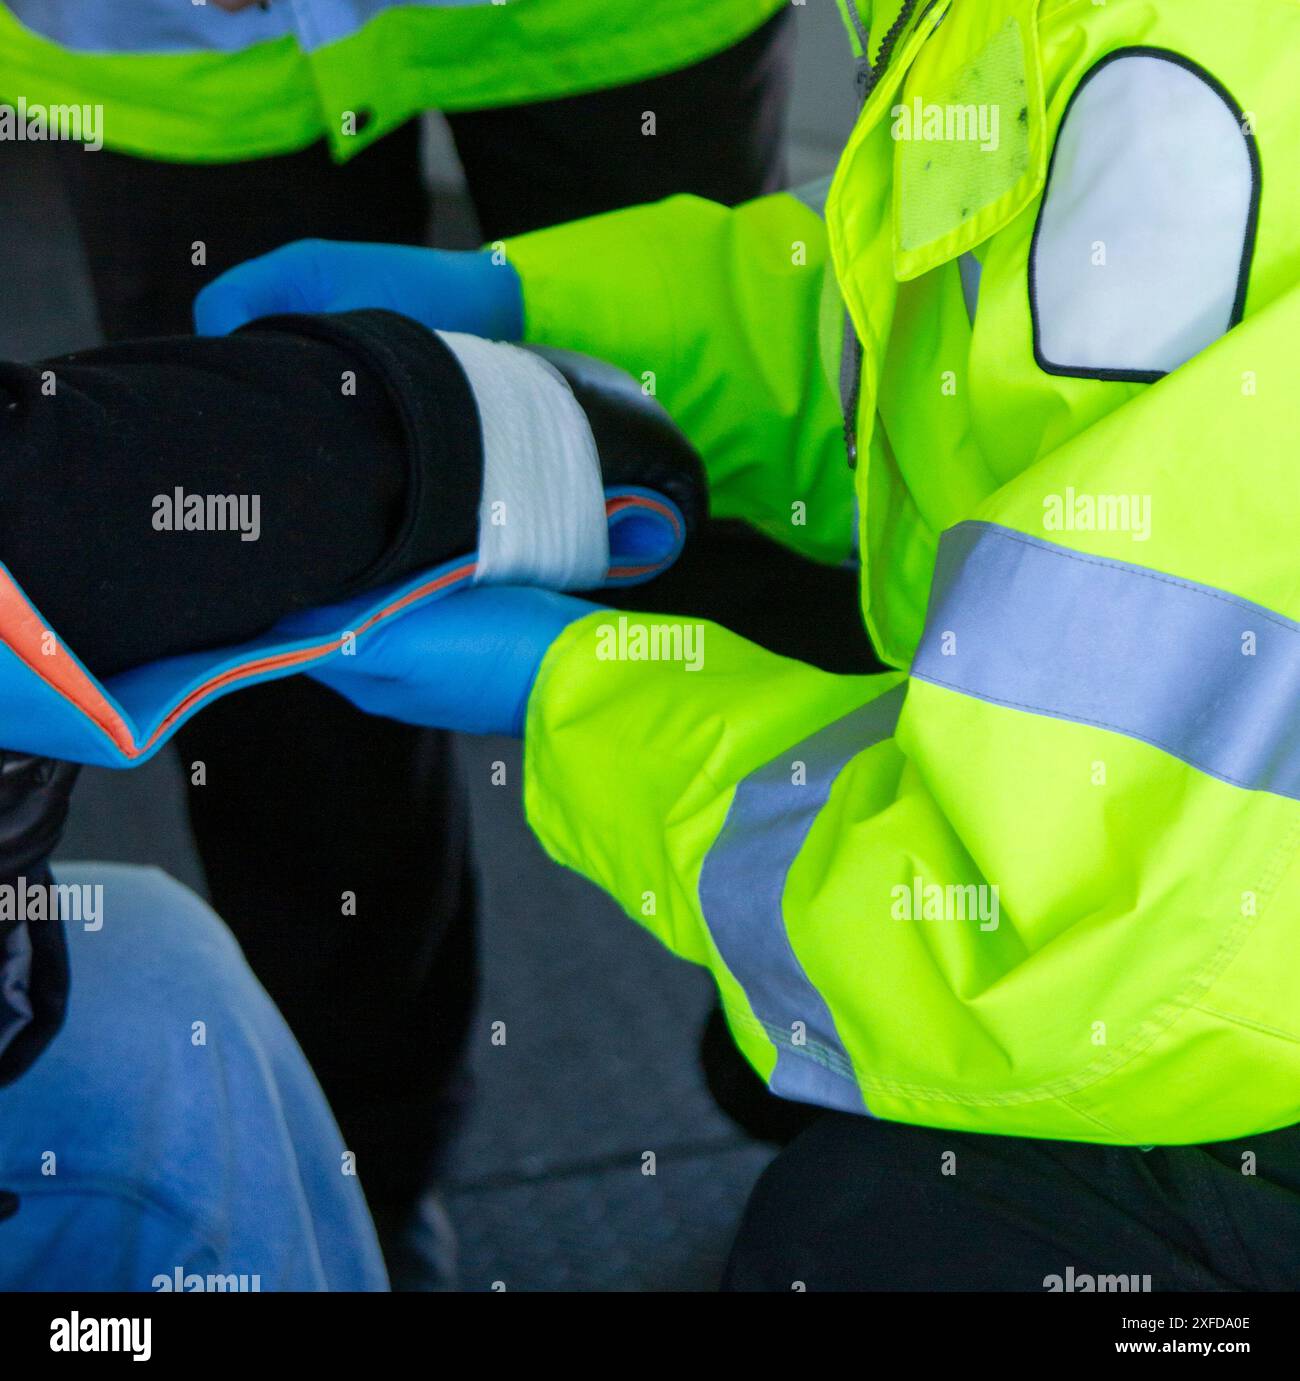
[{"x": 850, "y": 388}]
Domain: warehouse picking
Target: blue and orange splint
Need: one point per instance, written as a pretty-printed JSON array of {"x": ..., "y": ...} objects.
[{"x": 53, "y": 706}]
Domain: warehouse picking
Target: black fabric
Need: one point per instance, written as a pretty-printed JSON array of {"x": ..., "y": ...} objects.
[
  {"x": 34, "y": 795},
  {"x": 377, "y": 797},
  {"x": 766, "y": 593},
  {"x": 741, "y": 1094},
  {"x": 352, "y": 489},
  {"x": 856, "y": 1204},
  {"x": 379, "y": 991},
  {"x": 33, "y": 982},
  {"x": 430, "y": 395}
]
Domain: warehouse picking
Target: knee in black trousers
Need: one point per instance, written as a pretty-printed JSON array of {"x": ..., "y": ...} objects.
[{"x": 857, "y": 1204}]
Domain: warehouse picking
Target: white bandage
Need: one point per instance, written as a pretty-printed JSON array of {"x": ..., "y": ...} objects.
[{"x": 542, "y": 514}]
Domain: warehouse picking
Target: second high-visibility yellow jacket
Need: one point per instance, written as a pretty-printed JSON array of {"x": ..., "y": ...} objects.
[
  {"x": 185, "y": 80},
  {"x": 1042, "y": 878}
]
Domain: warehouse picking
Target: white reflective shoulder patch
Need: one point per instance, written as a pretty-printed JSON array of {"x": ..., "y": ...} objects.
[{"x": 1142, "y": 249}]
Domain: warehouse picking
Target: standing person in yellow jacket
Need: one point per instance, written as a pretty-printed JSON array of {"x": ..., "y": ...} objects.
[
  {"x": 230, "y": 128},
  {"x": 1020, "y": 913}
]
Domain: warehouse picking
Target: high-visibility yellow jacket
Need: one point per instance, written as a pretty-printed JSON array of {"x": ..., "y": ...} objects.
[
  {"x": 1042, "y": 878},
  {"x": 191, "y": 82}
]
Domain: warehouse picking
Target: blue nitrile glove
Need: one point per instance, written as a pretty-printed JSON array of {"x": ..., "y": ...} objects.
[
  {"x": 445, "y": 290},
  {"x": 466, "y": 662}
]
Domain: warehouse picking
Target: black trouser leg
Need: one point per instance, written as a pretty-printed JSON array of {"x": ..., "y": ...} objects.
[
  {"x": 717, "y": 133},
  {"x": 140, "y": 220},
  {"x": 306, "y": 798},
  {"x": 345, "y": 854},
  {"x": 855, "y": 1204}
]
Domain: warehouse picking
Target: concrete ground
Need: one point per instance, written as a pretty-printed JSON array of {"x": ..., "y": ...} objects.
[{"x": 547, "y": 1188}]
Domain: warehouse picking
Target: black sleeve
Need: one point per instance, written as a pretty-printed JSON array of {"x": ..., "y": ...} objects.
[{"x": 351, "y": 440}]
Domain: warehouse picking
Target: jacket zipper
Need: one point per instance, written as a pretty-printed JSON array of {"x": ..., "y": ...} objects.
[{"x": 868, "y": 78}]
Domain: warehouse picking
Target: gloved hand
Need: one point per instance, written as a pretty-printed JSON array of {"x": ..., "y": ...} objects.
[
  {"x": 445, "y": 290},
  {"x": 466, "y": 662}
]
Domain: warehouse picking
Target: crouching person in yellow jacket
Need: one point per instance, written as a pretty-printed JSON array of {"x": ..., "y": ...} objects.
[{"x": 1020, "y": 913}]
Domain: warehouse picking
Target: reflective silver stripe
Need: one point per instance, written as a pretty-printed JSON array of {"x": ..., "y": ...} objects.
[
  {"x": 1208, "y": 677},
  {"x": 741, "y": 887},
  {"x": 326, "y": 21},
  {"x": 970, "y": 269},
  {"x": 150, "y": 26},
  {"x": 177, "y": 26}
]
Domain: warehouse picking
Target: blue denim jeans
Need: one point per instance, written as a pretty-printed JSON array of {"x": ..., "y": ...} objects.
[{"x": 172, "y": 1135}]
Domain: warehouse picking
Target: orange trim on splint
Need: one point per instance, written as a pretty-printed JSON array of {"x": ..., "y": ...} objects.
[
  {"x": 613, "y": 506},
  {"x": 23, "y": 633},
  {"x": 306, "y": 654}
]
